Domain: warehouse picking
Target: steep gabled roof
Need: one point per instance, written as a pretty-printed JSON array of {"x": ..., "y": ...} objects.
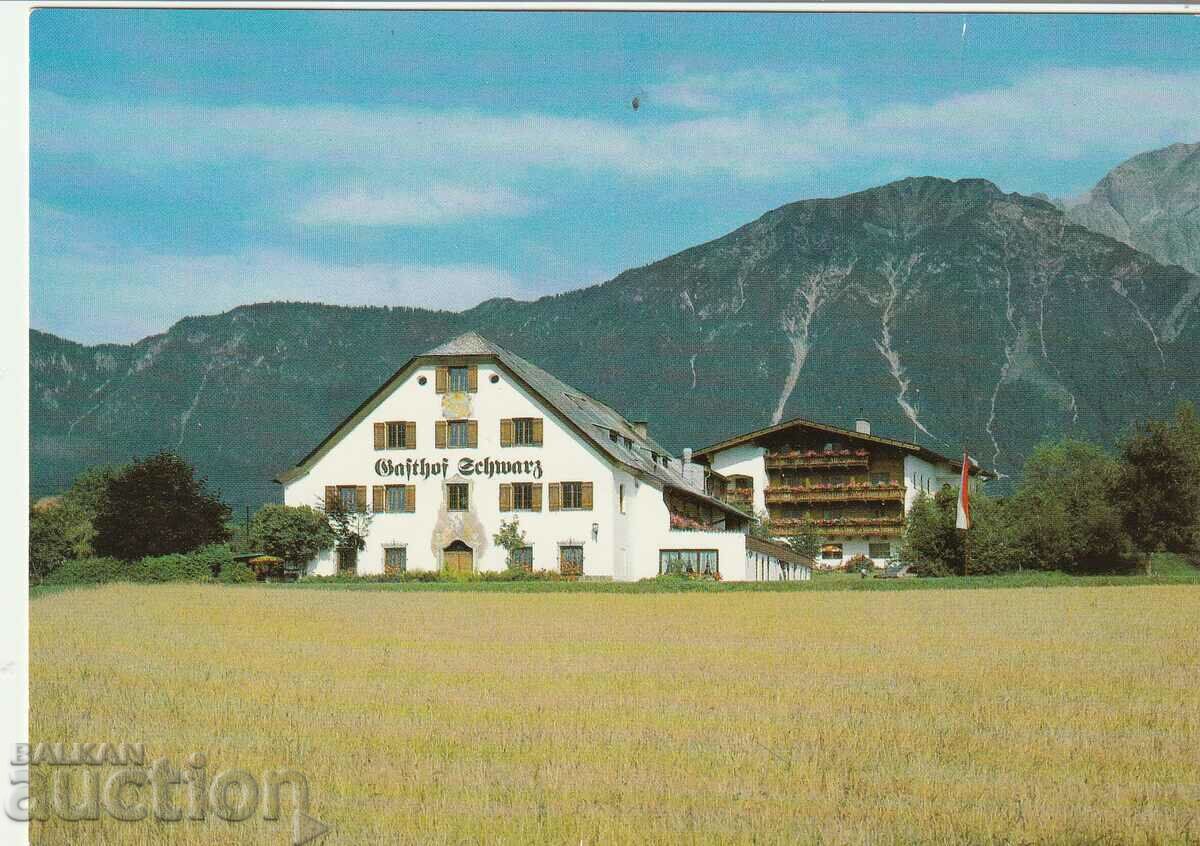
[
  {"x": 588, "y": 416},
  {"x": 803, "y": 423}
]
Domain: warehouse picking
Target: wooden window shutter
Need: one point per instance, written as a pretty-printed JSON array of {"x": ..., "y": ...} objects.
[
  {"x": 473, "y": 378},
  {"x": 441, "y": 379},
  {"x": 537, "y": 431},
  {"x": 536, "y": 505},
  {"x": 378, "y": 498},
  {"x": 472, "y": 433},
  {"x": 506, "y": 497},
  {"x": 410, "y": 499},
  {"x": 506, "y": 432},
  {"x": 331, "y": 497},
  {"x": 555, "y": 496},
  {"x": 587, "y": 496},
  {"x": 410, "y": 435},
  {"x": 439, "y": 434},
  {"x": 361, "y": 497},
  {"x": 380, "y": 435}
]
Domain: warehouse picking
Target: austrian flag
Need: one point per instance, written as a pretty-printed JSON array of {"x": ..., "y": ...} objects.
[{"x": 964, "y": 496}]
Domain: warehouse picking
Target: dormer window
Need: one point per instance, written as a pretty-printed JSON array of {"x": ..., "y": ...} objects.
[{"x": 459, "y": 378}]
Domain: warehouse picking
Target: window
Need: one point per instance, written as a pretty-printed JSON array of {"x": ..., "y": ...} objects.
[
  {"x": 396, "y": 497},
  {"x": 570, "y": 560},
  {"x": 832, "y": 552},
  {"x": 572, "y": 494},
  {"x": 880, "y": 550},
  {"x": 457, "y": 433},
  {"x": 704, "y": 562},
  {"x": 347, "y": 560},
  {"x": 522, "y": 494},
  {"x": 523, "y": 434},
  {"x": 621, "y": 498},
  {"x": 628, "y": 443},
  {"x": 457, "y": 498},
  {"x": 395, "y": 560},
  {"x": 348, "y": 497},
  {"x": 613, "y": 436},
  {"x": 460, "y": 378},
  {"x": 881, "y": 478},
  {"x": 396, "y": 431},
  {"x": 522, "y": 557}
]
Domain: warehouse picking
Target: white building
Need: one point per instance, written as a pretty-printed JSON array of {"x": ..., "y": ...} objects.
[
  {"x": 855, "y": 488},
  {"x": 469, "y": 435}
]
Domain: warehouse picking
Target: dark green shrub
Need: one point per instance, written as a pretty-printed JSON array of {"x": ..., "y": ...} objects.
[
  {"x": 92, "y": 571},
  {"x": 236, "y": 572},
  {"x": 175, "y": 567}
]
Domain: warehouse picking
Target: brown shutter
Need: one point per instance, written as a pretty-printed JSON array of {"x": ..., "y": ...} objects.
[
  {"x": 537, "y": 431},
  {"x": 472, "y": 433},
  {"x": 410, "y": 435},
  {"x": 330, "y": 497},
  {"x": 361, "y": 497},
  {"x": 410, "y": 499},
  {"x": 473, "y": 378},
  {"x": 506, "y": 432},
  {"x": 378, "y": 498},
  {"x": 441, "y": 379},
  {"x": 439, "y": 434},
  {"x": 587, "y": 496},
  {"x": 380, "y": 435},
  {"x": 555, "y": 496},
  {"x": 537, "y": 496},
  {"x": 506, "y": 497}
]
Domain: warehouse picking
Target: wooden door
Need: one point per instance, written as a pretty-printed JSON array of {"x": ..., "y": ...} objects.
[{"x": 458, "y": 559}]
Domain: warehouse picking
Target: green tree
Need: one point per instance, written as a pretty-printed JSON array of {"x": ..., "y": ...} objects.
[
  {"x": 157, "y": 506},
  {"x": 1064, "y": 513},
  {"x": 296, "y": 534},
  {"x": 57, "y": 533},
  {"x": 931, "y": 545},
  {"x": 805, "y": 540},
  {"x": 1158, "y": 483},
  {"x": 510, "y": 538}
]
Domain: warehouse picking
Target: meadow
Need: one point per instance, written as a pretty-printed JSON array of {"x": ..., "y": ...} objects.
[{"x": 1055, "y": 715}]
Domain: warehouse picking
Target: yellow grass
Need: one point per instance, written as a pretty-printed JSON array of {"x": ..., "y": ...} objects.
[{"x": 1028, "y": 716}]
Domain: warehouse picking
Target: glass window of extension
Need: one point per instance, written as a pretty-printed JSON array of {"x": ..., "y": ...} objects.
[
  {"x": 395, "y": 559},
  {"x": 457, "y": 432},
  {"x": 395, "y": 435},
  {"x": 880, "y": 550},
  {"x": 572, "y": 494},
  {"x": 522, "y": 493},
  {"x": 396, "y": 497},
  {"x": 688, "y": 562},
  {"x": 523, "y": 431},
  {"x": 832, "y": 551},
  {"x": 457, "y": 498},
  {"x": 348, "y": 497},
  {"x": 881, "y": 478},
  {"x": 460, "y": 379}
]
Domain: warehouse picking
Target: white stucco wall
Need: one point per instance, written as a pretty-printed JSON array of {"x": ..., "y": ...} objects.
[{"x": 744, "y": 460}]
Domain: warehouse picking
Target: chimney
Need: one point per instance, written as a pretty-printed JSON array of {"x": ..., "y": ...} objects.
[
  {"x": 642, "y": 428},
  {"x": 862, "y": 426},
  {"x": 687, "y": 455}
]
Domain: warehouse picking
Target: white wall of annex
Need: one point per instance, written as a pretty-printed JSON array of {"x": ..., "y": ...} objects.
[{"x": 745, "y": 460}]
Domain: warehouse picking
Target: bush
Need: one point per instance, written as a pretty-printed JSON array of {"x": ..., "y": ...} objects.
[
  {"x": 236, "y": 572},
  {"x": 92, "y": 570},
  {"x": 295, "y": 534},
  {"x": 857, "y": 563}
]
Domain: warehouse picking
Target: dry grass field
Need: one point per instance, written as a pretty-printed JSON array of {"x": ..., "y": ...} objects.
[{"x": 1057, "y": 715}]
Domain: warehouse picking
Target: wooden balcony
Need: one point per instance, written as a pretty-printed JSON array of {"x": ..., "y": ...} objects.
[
  {"x": 848, "y": 526},
  {"x": 744, "y": 501},
  {"x": 814, "y": 459},
  {"x": 779, "y": 494}
]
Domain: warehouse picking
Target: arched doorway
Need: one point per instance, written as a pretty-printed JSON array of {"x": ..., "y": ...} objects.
[{"x": 458, "y": 559}]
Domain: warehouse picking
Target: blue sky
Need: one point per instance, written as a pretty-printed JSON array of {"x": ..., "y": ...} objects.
[{"x": 185, "y": 162}]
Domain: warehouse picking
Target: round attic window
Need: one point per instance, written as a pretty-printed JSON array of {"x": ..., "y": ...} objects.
[
  {"x": 421, "y": 380},
  {"x": 495, "y": 378}
]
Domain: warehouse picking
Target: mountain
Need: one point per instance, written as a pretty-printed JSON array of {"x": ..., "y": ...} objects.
[
  {"x": 947, "y": 311},
  {"x": 1152, "y": 203}
]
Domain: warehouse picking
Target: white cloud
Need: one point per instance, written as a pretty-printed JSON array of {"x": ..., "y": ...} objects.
[
  {"x": 125, "y": 295},
  {"x": 1049, "y": 115},
  {"x": 742, "y": 89},
  {"x": 427, "y": 206}
]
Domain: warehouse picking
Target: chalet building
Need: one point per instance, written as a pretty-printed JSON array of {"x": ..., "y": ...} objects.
[
  {"x": 855, "y": 487},
  {"x": 469, "y": 435}
]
